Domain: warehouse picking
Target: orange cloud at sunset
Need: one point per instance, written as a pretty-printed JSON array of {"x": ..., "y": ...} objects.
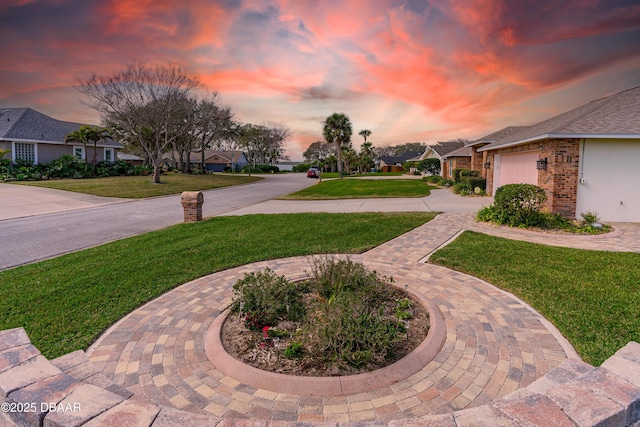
[{"x": 406, "y": 69}]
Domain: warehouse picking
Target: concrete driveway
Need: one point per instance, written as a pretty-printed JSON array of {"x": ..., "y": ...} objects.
[{"x": 18, "y": 201}]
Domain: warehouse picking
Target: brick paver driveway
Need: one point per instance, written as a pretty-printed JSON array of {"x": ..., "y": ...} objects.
[{"x": 494, "y": 343}]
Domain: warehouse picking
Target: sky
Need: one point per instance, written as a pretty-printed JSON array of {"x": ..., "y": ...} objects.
[{"x": 407, "y": 70}]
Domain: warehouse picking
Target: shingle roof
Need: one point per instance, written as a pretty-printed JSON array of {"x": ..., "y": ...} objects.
[
  {"x": 30, "y": 125},
  {"x": 460, "y": 152},
  {"x": 130, "y": 157},
  {"x": 401, "y": 158},
  {"x": 500, "y": 135},
  {"x": 445, "y": 147},
  {"x": 196, "y": 156},
  {"x": 614, "y": 115}
]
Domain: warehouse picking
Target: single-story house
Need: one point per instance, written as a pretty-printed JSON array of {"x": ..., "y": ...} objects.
[
  {"x": 214, "y": 161},
  {"x": 456, "y": 159},
  {"x": 394, "y": 163},
  {"x": 439, "y": 150},
  {"x": 585, "y": 159},
  {"x": 38, "y": 138},
  {"x": 132, "y": 159},
  {"x": 287, "y": 165}
]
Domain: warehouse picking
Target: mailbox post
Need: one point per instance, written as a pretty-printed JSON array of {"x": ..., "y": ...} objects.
[{"x": 192, "y": 203}]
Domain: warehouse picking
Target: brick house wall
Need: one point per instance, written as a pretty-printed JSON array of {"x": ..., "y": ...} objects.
[
  {"x": 559, "y": 180},
  {"x": 456, "y": 163},
  {"x": 478, "y": 159}
]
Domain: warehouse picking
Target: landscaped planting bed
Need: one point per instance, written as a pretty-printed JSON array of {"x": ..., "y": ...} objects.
[{"x": 344, "y": 320}]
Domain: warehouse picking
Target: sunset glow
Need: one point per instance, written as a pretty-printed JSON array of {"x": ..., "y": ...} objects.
[{"x": 408, "y": 70}]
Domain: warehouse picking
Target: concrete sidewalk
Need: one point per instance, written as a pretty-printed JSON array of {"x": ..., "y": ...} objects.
[
  {"x": 21, "y": 201},
  {"x": 440, "y": 200}
]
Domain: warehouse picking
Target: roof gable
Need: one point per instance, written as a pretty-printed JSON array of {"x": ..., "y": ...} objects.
[
  {"x": 445, "y": 147},
  {"x": 460, "y": 152}
]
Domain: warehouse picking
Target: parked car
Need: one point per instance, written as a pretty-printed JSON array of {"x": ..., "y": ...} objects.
[{"x": 313, "y": 172}]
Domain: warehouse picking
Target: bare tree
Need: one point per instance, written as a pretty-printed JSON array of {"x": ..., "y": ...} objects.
[
  {"x": 277, "y": 135},
  {"x": 318, "y": 152},
  {"x": 264, "y": 144},
  {"x": 385, "y": 151},
  {"x": 145, "y": 104},
  {"x": 214, "y": 124}
]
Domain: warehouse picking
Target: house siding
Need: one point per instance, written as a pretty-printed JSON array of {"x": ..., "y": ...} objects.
[
  {"x": 559, "y": 180},
  {"x": 48, "y": 152}
]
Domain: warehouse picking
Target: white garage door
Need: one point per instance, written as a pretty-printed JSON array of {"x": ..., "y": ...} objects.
[
  {"x": 609, "y": 178},
  {"x": 516, "y": 168}
]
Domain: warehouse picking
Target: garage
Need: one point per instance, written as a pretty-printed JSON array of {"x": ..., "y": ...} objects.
[
  {"x": 608, "y": 180},
  {"x": 516, "y": 168}
]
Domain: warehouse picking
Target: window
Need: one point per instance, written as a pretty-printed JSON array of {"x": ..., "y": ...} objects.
[
  {"x": 108, "y": 155},
  {"x": 24, "y": 151},
  {"x": 450, "y": 171},
  {"x": 78, "y": 153}
]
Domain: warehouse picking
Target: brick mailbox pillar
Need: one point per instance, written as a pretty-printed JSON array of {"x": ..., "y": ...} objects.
[{"x": 192, "y": 203}]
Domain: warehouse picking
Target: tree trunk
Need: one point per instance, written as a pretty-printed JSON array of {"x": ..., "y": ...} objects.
[
  {"x": 202, "y": 157},
  {"x": 339, "y": 161},
  {"x": 180, "y": 162},
  {"x": 156, "y": 172},
  {"x": 95, "y": 155}
]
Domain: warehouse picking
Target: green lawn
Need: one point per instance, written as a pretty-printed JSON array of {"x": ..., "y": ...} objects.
[
  {"x": 66, "y": 302},
  {"x": 592, "y": 297},
  {"x": 335, "y": 174},
  {"x": 135, "y": 187},
  {"x": 362, "y": 188}
]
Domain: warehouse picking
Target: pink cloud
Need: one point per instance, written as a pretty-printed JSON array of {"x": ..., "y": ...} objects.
[{"x": 405, "y": 69}]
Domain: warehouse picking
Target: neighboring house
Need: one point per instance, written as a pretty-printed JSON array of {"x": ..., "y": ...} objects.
[
  {"x": 287, "y": 165},
  {"x": 394, "y": 163},
  {"x": 132, "y": 159},
  {"x": 35, "y": 137},
  {"x": 439, "y": 150},
  {"x": 585, "y": 159},
  {"x": 456, "y": 159},
  {"x": 214, "y": 161}
]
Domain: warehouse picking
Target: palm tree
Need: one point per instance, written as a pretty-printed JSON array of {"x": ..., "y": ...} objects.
[
  {"x": 365, "y": 133},
  {"x": 79, "y": 135},
  {"x": 338, "y": 130},
  {"x": 96, "y": 134}
]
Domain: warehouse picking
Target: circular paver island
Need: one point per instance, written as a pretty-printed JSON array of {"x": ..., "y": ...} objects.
[{"x": 494, "y": 344}]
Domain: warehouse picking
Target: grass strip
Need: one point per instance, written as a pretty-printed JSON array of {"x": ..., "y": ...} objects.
[
  {"x": 66, "y": 302},
  {"x": 362, "y": 188},
  {"x": 590, "y": 296},
  {"x": 135, "y": 187},
  {"x": 359, "y": 175}
]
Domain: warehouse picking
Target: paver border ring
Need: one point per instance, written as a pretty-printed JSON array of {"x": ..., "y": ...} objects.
[{"x": 329, "y": 386}]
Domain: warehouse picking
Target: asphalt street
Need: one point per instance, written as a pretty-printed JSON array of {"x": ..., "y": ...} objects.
[{"x": 32, "y": 238}]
